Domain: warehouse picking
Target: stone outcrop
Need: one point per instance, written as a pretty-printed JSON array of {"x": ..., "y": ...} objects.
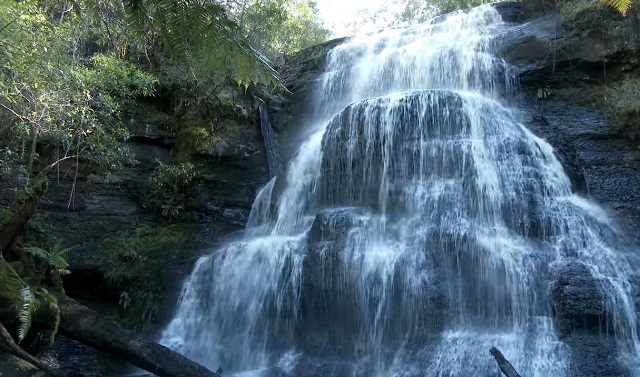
[{"x": 576, "y": 65}]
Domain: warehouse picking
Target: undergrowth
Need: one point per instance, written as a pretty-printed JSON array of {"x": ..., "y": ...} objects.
[{"x": 138, "y": 261}]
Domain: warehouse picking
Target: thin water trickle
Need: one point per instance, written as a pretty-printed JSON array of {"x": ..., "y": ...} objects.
[{"x": 419, "y": 226}]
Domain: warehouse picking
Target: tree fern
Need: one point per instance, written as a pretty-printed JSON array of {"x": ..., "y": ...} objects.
[
  {"x": 198, "y": 33},
  {"x": 19, "y": 295},
  {"x": 201, "y": 35}
]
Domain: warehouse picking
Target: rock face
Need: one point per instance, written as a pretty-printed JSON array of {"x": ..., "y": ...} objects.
[
  {"x": 101, "y": 207},
  {"x": 602, "y": 161}
]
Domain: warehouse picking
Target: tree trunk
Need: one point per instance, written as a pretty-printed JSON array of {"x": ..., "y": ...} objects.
[
  {"x": 19, "y": 213},
  {"x": 505, "y": 366},
  {"x": 9, "y": 346},
  {"x": 83, "y": 324}
]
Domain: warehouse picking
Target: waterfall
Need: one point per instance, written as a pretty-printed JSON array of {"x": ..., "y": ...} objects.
[
  {"x": 269, "y": 138},
  {"x": 420, "y": 224}
]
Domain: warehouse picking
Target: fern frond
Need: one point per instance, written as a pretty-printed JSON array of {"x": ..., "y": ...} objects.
[
  {"x": 621, "y": 6},
  {"x": 54, "y": 256},
  {"x": 204, "y": 38},
  {"x": 10, "y": 283},
  {"x": 25, "y": 313},
  {"x": 37, "y": 251}
]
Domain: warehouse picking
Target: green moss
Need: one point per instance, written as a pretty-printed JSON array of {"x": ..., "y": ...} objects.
[
  {"x": 621, "y": 101},
  {"x": 580, "y": 14},
  {"x": 6, "y": 216},
  {"x": 137, "y": 262},
  {"x": 196, "y": 134},
  {"x": 624, "y": 96}
]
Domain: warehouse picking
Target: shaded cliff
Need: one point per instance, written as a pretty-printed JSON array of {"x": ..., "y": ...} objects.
[{"x": 128, "y": 255}]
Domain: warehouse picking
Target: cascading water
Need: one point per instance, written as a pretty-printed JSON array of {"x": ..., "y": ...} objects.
[{"x": 419, "y": 225}]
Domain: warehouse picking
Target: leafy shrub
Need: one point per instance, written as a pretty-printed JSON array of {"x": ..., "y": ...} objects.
[
  {"x": 170, "y": 185},
  {"x": 137, "y": 260}
]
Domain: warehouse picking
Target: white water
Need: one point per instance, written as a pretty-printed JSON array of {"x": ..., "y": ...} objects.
[{"x": 419, "y": 225}]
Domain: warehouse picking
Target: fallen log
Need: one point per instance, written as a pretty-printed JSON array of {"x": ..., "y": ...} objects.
[
  {"x": 505, "y": 366},
  {"x": 84, "y": 325},
  {"x": 9, "y": 346}
]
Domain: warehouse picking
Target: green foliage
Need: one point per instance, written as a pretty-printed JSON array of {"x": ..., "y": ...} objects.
[
  {"x": 445, "y": 6},
  {"x": 26, "y": 299},
  {"x": 621, "y": 101},
  {"x": 170, "y": 185},
  {"x": 140, "y": 307},
  {"x": 407, "y": 12},
  {"x": 621, "y": 6},
  {"x": 50, "y": 93},
  {"x": 278, "y": 27},
  {"x": 26, "y": 310},
  {"x": 581, "y": 15},
  {"x": 200, "y": 35},
  {"x": 108, "y": 75},
  {"x": 53, "y": 256},
  {"x": 624, "y": 96},
  {"x": 136, "y": 262},
  {"x": 130, "y": 250},
  {"x": 543, "y": 93}
]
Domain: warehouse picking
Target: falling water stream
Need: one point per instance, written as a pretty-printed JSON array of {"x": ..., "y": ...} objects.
[{"x": 419, "y": 225}]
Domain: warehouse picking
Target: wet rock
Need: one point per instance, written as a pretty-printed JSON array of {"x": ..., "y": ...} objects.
[
  {"x": 234, "y": 149},
  {"x": 510, "y": 11},
  {"x": 333, "y": 309},
  {"x": 578, "y": 301},
  {"x": 333, "y": 224},
  {"x": 355, "y": 175},
  {"x": 593, "y": 356},
  {"x": 601, "y": 163},
  {"x": 541, "y": 48},
  {"x": 236, "y": 216},
  {"x": 149, "y": 133}
]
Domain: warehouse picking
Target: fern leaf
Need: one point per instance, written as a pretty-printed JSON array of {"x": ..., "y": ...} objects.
[
  {"x": 25, "y": 313},
  {"x": 621, "y": 6},
  {"x": 204, "y": 38},
  {"x": 54, "y": 257},
  {"x": 37, "y": 251},
  {"x": 10, "y": 284}
]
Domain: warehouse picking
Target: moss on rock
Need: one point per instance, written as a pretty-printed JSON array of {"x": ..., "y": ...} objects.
[{"x": 137, "y": 262}]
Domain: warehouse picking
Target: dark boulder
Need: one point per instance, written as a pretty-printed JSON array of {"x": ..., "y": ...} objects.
[
  {"x": 333, "y": 224},
  {"x": 578, "y": 302}
]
